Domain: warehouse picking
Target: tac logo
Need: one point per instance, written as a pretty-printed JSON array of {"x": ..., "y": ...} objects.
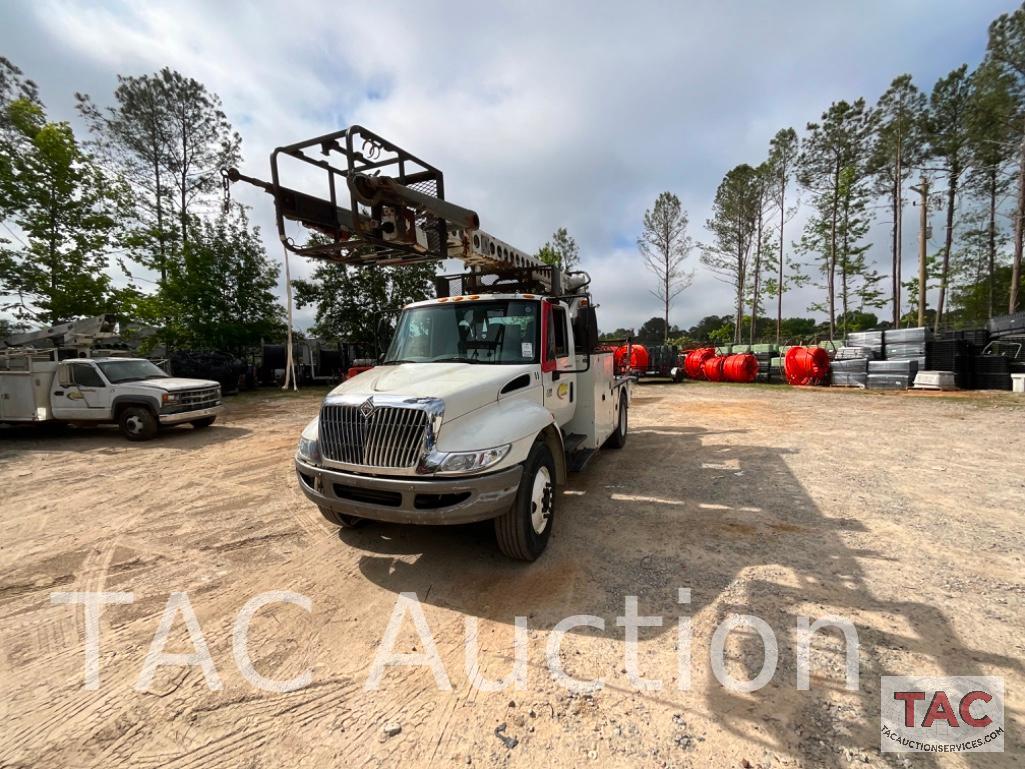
[{"x": 953, "y": 714}]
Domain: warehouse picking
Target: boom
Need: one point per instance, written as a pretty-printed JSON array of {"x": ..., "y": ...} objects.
[{"x": 387, "y": 207}]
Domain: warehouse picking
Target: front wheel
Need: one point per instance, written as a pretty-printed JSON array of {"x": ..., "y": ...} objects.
[
  {"x": 524, "y": 531},
  {"x": 618, "y": 439},
  {"x": 138, "y": 423}
]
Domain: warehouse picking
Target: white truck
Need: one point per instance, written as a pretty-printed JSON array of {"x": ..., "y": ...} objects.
[
  {"x": 486, "y": 397},
  {"x": 44, "y": 386}
]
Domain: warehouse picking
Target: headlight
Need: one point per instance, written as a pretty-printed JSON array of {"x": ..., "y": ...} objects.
[
  {"x": 472, "y": 461},
  {"x": 309, "y": 445},
  {"x": 169, "y": 397},
  {"x": 309, "y": 450}
]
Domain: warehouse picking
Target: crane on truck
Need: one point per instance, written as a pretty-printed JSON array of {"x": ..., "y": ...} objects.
[{"x": 489, "y": 393}]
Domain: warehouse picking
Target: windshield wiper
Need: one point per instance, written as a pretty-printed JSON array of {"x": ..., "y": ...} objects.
[
  {"x": 456, "y": 359},
  {"x": 397, "y": 362}
]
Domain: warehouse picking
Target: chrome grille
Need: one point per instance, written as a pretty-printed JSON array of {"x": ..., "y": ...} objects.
[
  {"x": 200, "y": 399},
  {"x": 390, "y": 437}
]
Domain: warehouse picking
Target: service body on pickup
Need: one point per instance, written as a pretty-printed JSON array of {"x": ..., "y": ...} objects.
[
  {"x": 478, "y": 410},
  {"x": 131, "y": 392}
]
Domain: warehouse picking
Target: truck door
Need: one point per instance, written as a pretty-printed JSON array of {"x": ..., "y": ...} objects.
[
  {"x": 559, "y": 387},
  {"x": 79, "y": 392}
]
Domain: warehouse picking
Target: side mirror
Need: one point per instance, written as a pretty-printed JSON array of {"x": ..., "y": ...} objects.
[
  {"x": 64, "y": 375},
  {"x": 585, "y": 330}
]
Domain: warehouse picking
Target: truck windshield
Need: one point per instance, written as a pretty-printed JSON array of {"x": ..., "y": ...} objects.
[
  {"x": 499, "y": 331},
  {"x": 130, "y": 371}
]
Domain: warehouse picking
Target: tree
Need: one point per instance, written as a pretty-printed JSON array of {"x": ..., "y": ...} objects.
[
  {"x": 763, "y": 179},
  {"x": 665, "y": 245},
  {"x": 783, "y": 153},
  {"x": 561, "y": 251},
  {"x": 221, "y": 294},
  {"x": 168, "y": 136},
  {"x": 65, "y": 209},
  {"x": 734, "y": 225},
  {"x": 947, "y": 133},
  {"x": 1006, "y": 48},
  {"x": 835, "y": 146},
  {"x": 991, "y": 128},
  {"x": 897, "y": 148},
  {"x": 353, "y": 303}
]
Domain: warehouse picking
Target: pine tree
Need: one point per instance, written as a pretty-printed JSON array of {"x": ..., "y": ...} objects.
[
  {"x": 168, "y": 136},
  {"x": 898, "y": 147},
  {"x": 835, "y": 147},
  {"x": 561, "y": 251},
  {"x": 783, "y": 153},
  {"x": 665, "y": 245},
  {"x": 734, "y": 226},
  {"x": 947, "y": 134}
]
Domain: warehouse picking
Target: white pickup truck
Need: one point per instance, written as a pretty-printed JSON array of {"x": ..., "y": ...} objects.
[
  {"x": 478, "y": 410},
  {"x": 131, "y": 392}
]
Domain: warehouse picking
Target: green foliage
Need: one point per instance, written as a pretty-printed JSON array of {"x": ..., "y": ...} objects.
[
  {"x": 561, "y": 251},
  {"x": 359, "y": 304},
  {"x": 65, "y": 210},
  {"x": 221, "y": 295},
  {"x": 619, "y": 333},
  {"x": 168, "y": 137}
]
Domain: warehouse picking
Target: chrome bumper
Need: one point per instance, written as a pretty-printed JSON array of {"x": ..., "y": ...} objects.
[
  {"x": 402, "y": 500},
  {"x": 189, "y": 416}
]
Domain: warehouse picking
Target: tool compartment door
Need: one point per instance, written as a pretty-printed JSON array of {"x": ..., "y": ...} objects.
[{"x": 17, "y": 396}]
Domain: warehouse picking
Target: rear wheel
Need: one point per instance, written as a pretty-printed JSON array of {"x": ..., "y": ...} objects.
[
  {"x": 199, "y": 424},
  {"x": 618, "y": 439},
  {"x": 524, "y": 531},
  {"x": 138, "y": 423},
  {"x": 340, "y": 519}
]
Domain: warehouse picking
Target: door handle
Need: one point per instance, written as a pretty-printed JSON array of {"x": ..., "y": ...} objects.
[{"x": 58, "y": 392}]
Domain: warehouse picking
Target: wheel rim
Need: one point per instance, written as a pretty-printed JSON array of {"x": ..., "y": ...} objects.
[
  {"x": 541, "y": 500},
  {"x": 134, "y": 425}
]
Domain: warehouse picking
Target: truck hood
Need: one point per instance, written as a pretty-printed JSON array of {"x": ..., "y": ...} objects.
[
  {"x": 463, "y": 386},
  {"x": 175, "y": 384}
]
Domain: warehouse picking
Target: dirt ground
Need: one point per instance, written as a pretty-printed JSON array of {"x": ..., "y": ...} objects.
[{"x": 903, "y": 513}]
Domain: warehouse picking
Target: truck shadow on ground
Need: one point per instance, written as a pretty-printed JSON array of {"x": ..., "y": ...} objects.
[
  {"x": 17, "y": 440},
  {"x": 698, "y": 517}
]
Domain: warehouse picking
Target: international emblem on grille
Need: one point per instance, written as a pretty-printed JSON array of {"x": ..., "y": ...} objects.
[{"x": 367, "y": 408}]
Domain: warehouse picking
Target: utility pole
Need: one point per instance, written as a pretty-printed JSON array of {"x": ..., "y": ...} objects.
[{"x": 923, "y": 229}]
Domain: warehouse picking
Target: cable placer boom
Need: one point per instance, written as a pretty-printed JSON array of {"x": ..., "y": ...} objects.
[{"x": 384, "y": 206}]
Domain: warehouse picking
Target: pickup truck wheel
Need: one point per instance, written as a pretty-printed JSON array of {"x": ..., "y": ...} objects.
[
  {"x": 618, "y": 439},
  {"x": 340, "y": 519},
  {"x": 138, "y": 423},
  {"x": 199, "y": 424},
  {"x": 523, "y": 532}
]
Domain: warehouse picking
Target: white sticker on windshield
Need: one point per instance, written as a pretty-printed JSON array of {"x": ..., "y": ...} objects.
[{"x": 526, "y": 349}]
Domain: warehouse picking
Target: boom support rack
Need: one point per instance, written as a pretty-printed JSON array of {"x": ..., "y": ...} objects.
[{"x": 385, "y": 206}]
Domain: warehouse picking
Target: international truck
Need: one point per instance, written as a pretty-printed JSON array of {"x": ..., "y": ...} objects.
[{"x": 488, "y": 395}]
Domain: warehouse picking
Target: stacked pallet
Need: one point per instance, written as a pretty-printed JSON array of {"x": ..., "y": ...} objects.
[
  {"x": 765, "y": 353},
  {"x": 992, "y": 372},
  {"x": 891, "y": 374},
  {"x": 873, "y": 340},
  {"x": 906, "y": 344}
]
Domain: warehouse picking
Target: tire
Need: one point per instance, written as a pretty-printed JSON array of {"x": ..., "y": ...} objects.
[
  {"x": 138, "y": 423},
  {"x": 524, "y": 531},
  {"x": 199, "y": 424},
  {"x": 341, "y": 520},
  {"x": 618, "y": 439}
]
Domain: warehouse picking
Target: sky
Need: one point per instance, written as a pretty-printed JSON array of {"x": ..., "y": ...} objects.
[{"x": 540, "y": 114}]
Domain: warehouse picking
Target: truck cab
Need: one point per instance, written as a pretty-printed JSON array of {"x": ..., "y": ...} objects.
[{"x": 481, "y": 406}]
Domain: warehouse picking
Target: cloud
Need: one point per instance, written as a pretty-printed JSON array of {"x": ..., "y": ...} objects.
[{"x": 540, "y": 114}]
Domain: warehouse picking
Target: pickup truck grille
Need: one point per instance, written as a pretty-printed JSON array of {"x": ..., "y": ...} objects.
[
  {"x": 194, "y": 400},
  {"x": 390, "y": 437}
]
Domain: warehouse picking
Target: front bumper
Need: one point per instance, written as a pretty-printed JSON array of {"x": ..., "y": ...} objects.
[
  {"x": 403, "y": 500},
  {"x": 189, "y": 416}
]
